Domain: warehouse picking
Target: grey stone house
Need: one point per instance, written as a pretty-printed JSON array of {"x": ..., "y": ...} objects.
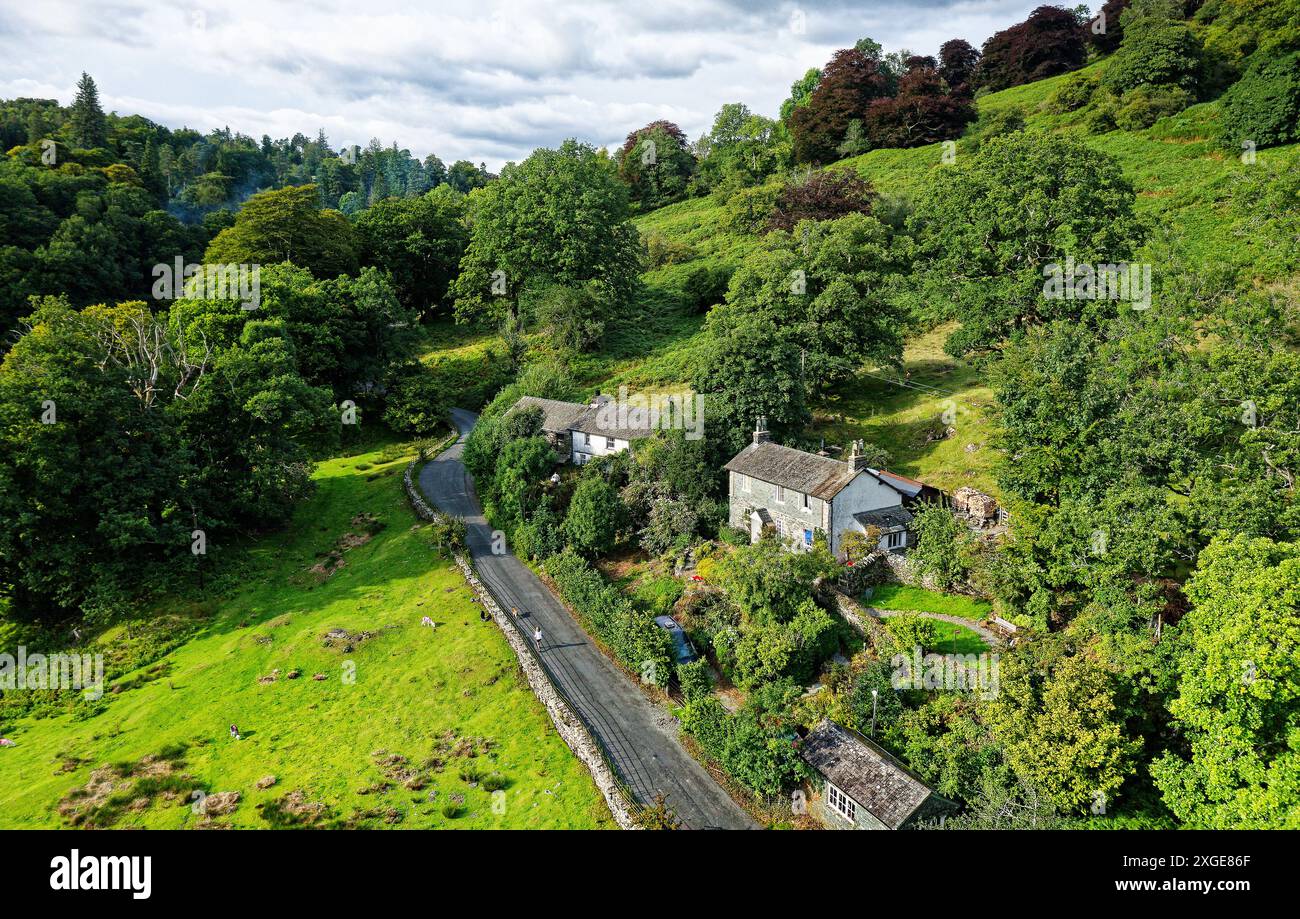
[
  {"x": 801, "y": 494},
  {"x": 862, "y": 786}
]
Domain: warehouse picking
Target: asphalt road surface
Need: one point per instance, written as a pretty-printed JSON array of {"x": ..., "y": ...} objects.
[{"x": 641, "y": 737}]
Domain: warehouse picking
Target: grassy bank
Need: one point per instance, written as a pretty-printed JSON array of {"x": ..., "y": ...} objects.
[{"x": 406, "y": 726}]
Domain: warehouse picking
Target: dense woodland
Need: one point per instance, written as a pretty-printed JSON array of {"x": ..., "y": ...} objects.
[{"x": 1161, "y": 678}]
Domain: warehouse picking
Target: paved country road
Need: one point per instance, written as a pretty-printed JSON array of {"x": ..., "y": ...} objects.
[{"x": 641, "y": 737}]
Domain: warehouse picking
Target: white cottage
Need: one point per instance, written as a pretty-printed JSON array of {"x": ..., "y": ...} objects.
[{"x": 581, "y": 433}]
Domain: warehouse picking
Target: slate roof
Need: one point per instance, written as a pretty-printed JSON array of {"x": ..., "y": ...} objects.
[
  {"x": 871, "y": 777},
  {"x": 604, "y": 420},
  {"x": 909, "y": 487},
  {"x": 557, "y": 417},
  {"x": 887, "y": 518},
  {"x": 561, "y": 417},
  {"x": 819, "y": 476}
]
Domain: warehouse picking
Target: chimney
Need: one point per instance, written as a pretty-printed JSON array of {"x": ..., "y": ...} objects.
[
  {"x": 856, "y": 459},
  {"x": 761, "y": 433}
]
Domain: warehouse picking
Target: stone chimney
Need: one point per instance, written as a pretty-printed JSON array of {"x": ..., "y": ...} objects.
[
  {"x": 856, "y": 459},
  {"x": 761, "y": 433}
]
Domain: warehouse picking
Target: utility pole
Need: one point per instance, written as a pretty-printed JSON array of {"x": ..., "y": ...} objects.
[{"x": 874, "y": 694}]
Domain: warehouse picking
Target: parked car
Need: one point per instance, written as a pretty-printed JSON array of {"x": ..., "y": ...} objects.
[{"x": 685, "y": 650}]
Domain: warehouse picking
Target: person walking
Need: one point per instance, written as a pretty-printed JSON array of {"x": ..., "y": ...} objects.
[
  {"x": 234, "y": 733},
  {"x": 537, "y": 637}
]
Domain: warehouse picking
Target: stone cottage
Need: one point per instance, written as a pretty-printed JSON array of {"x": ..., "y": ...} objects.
[
  {"x": 801, "y": 494},
  {"x": 862, "y": 786}
]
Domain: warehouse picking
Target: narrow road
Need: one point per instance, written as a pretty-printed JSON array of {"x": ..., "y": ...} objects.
[{"x": 640, "y": 737}]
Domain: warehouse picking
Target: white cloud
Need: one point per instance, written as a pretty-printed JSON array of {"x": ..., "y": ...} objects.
[{"x": 485, "y": 81}]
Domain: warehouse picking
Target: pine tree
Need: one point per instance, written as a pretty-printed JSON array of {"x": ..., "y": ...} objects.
[
  {"x": 150, "y": 173},
  {"x": 89, "y": 128}
]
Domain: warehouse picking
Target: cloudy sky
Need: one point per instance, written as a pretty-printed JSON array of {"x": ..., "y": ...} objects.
[{"x": 485, "y": 80}]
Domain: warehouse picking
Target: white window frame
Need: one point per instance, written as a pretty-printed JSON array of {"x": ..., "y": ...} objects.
[
  {"x": 841, "y": 803},
  {"x": 780, "y": 494},
  {"x": 609, "y": 443},
  {"x": 895, "y": 540},
  {"x": 744, "y": 482}
]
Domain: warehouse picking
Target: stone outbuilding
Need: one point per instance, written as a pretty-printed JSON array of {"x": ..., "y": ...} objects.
[{"x": 862, "y": 786}]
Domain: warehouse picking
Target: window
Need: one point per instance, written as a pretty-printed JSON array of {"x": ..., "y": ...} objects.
[
  {"x": 742, "y": 482},
  {"x": 894, "y": 540},
  {"x": 805, "y": 500},
  {"x": 780, "y": 494},
  {"x": 841, "y": 803},
  {"x": 807, "y": 538},
  {"x": 609, "y": 443}
]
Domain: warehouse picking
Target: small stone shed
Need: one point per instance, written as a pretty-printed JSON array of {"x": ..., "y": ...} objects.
[{"x": 862, "y": 786}]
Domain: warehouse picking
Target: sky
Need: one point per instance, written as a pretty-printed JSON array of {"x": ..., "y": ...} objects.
[{"x": 483, "y": 80}]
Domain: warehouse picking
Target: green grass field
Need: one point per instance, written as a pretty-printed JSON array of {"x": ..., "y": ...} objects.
[
  {"x": 899, "y": 597},
  {"x": 408, "y": 723},
  {"x": 956, "y": 639}
]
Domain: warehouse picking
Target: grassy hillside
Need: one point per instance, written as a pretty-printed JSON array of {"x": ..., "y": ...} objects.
[
  {"x": 1184, "y": 182},
  {"x": 430, "y": 715}
]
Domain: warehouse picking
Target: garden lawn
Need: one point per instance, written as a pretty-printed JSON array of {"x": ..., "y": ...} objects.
[
  {"x": 916, "y": 599},
  {"x": 956, "y": 639},
  {"x": 453, "y": 696}
]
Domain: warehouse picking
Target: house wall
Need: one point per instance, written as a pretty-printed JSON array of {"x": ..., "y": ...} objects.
[
  {"x": 865, "y": 493},
  {"x": 832, "y": 819},
  {"x": 586, "y": 446},
  {"x": 790, "y": 515}
]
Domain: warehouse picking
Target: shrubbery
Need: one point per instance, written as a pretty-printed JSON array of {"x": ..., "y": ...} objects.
[
  {"x": 757, "y": 745},
  {"x": 1263, "y": 107},
  {"x": 938, "y": 552},
  {"x": 1074, "y": 93},
  {"x": 632, "y": 635}
]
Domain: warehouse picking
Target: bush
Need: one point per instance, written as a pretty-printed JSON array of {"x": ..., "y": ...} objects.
[
  {"x": 748, "y": 210},
  {"x": 659, "y": 595},
  {"x": 1073, "y": 94},
  {"x": 1142, "y": 107},
  {"x": 756, "y": 746},
  {"x": 631, "y": 634},
  {"x": 1263, "y": 107},
  {"x": 939, "y": 549},
  {"x": 540, "y": 537},
  {"x": 821, "y": 196},
  {"x": 662, "y": 250},
  {"x": 705, "y": 287},
  {"x": 694, "y": 680},
  {"x": 572, "y": 317},
  {"x": 909, "y": 631},
  {"x": 1155, "y": 51},
  {"x": 596, "y": 514}
]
